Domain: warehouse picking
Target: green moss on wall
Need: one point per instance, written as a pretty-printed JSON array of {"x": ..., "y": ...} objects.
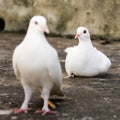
[
  {"x": 106, "y": 29},
  {"x": 65, "y": 15},
  {"x": 25, "y": 3}
]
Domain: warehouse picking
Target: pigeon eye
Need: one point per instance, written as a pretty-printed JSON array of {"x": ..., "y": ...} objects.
[
  {"x": 36, "y": 22},
  {"x": 84, "y": 31}
]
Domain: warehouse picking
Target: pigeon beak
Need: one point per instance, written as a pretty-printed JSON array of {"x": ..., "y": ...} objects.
[
  {"x": 45, "y": 29},
  {"x": 77, "y": 36}
]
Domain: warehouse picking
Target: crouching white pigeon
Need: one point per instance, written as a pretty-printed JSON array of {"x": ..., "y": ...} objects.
[
  {"x": 84, "y": 59},
  {"x": 36, "y": 64}
]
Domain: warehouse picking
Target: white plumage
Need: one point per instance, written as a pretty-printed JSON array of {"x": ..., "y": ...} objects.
[
  {"x": 84, "y": 59},
  {"x": 36, "y": 63}
]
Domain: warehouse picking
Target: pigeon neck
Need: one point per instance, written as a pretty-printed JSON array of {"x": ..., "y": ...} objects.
[
  {"x": 85, "y": 41},
  {"x": 37, "y": 36},
  {"x": 34, "y": 31}
]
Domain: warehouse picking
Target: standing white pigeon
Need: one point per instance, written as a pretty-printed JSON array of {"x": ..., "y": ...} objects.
[
  {"x": 84, "y": 59},
  {"x": 36, "y": 64}
]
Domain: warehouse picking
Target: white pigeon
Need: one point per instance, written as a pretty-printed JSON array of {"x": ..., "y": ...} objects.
[
  {"x": 36, "y": 64},
  {"x": 84, "y": 59}
]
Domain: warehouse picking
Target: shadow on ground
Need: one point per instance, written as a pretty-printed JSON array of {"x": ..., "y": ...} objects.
[{"x": 96, "y": 98}]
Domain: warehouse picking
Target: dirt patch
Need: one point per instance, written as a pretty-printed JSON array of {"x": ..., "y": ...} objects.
[{"x": 96, "y": 98}]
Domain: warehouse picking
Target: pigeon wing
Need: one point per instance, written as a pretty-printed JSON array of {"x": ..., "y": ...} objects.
[{"x": 55, "y": 74}]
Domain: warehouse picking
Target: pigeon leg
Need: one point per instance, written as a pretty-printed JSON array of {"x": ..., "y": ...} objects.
[
  {"x": 28, "y": 93},
  {"x": 45, "y": 93},
  {"x": 50, "y": 103},
  {"x": 69, "y": 76}
]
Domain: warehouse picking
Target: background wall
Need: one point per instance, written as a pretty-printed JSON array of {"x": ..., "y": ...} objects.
[{"x": 102, "y": 17}]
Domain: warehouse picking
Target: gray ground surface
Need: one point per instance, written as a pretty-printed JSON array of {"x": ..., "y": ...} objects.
[{"x": 96, "y": 98}]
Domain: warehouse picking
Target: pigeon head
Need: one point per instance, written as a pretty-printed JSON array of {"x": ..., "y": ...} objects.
[
  {"x": 82, "y": 33},
  {"x": 39, "y": 23}
]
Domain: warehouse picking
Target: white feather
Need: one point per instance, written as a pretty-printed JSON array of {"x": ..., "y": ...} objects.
[
  {"x": 36, "y": 63},
  {"x": 85, "y": 59}
]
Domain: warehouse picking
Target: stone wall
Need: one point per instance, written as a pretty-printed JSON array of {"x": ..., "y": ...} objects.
[{"x": 102, "y": 17}]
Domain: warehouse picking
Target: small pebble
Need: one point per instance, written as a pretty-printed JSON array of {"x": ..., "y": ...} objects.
[
  {"x": 5, "y": 112},
  {"x": 14, "y": 117},
  {"x": 115, "y": 116},
  {"x": 64, "y": 114}
]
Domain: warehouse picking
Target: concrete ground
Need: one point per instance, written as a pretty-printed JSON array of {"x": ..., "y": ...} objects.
[{"x": 96, "y": 98}]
